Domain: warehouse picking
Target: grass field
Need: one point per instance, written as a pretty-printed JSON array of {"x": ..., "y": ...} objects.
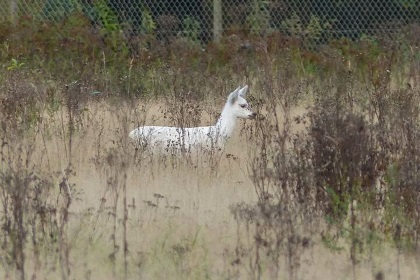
[{"x": 322, "y": 185}]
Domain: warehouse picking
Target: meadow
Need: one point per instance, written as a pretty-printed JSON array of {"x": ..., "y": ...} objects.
[{"x": 323, "y": 184}]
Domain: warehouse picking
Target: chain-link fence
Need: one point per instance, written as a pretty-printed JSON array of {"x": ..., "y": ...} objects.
[{"x": 206, "y": 20}]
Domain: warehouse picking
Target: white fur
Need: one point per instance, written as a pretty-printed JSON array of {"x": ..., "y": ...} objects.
[{"x": 206, "y": 137}]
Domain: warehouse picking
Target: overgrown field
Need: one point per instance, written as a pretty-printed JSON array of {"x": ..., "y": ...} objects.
[{"x": 324, "y": 184}]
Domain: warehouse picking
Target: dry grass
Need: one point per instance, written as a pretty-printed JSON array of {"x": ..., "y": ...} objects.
[{"x": 179, "y": 222}]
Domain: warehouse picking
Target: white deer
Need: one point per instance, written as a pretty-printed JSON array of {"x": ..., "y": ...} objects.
[{"x": 176, "y": 139}]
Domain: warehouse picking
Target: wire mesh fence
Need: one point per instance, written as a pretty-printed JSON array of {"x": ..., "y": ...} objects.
[{"x": 206, "y": 20}]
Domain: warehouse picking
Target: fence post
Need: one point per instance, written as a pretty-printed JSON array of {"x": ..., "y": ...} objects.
[
  {"x": 217, "y": 20},
  {"x": 13, "y": 7}
]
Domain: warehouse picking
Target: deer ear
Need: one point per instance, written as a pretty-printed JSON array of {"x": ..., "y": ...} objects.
[
  {"x": 233, "y": 95},
  {"x": 243, "y": 91}
]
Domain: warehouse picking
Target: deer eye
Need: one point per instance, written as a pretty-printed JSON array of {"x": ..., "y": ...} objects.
[{"x": 242, "y": 105}]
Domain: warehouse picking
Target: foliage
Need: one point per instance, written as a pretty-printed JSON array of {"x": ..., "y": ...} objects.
[
  {"x": 311, "y": 33},
  {"x": 259, "y": 18},
  {"x": 148, "y": 24},
  {"x": 107, "y": 17},
  {"x": 14, "y": 65},
  {"x": 191, "y": 29}
]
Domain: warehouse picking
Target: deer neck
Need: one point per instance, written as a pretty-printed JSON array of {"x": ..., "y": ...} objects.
[{"x": 225, "y": 125}]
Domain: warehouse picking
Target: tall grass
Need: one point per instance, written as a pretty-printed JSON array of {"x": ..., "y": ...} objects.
[{"x": 332, "y": 159}]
